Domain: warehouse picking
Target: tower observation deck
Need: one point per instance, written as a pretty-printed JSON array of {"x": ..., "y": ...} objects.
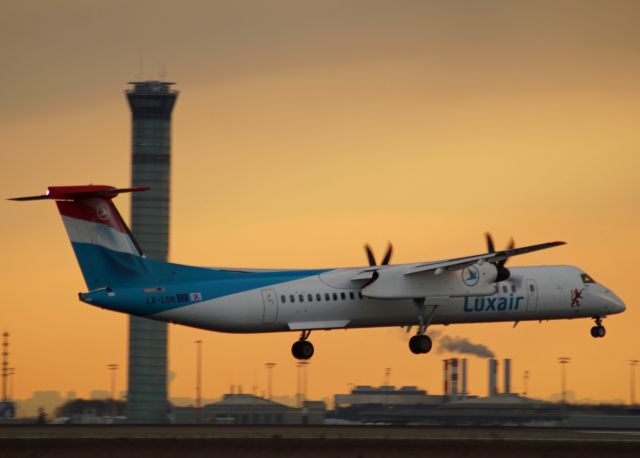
[{"x": 151, "y": 104}]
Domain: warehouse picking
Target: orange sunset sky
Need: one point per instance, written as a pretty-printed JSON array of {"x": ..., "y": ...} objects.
[{"x": 305, "y": 129}]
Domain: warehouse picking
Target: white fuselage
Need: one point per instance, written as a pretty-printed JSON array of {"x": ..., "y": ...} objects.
[{"x": 330, "y": 301}]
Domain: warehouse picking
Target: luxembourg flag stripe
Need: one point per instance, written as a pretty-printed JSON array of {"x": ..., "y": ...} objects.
[
  {"x": 95, "y": 210},
  {"x": 82, "y": 231}
]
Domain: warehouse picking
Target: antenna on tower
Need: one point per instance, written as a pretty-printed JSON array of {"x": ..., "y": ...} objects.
[
  {"x": 162, "y": 73},
  {"x": 140, "y": 76}
]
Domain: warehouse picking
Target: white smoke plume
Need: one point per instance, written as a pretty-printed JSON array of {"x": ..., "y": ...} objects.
[{"x": 463, "y": 346}]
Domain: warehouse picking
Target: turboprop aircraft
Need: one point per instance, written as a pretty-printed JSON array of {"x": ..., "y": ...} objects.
[{"x": 471, "y": 289}]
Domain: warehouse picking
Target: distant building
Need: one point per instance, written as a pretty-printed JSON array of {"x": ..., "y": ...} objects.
[
  {"x": 409, "y": 404},
  {"x": 247, "y": 409},
  {"x": 385, "y": 395},
  {"x": 7, "y": 409}
]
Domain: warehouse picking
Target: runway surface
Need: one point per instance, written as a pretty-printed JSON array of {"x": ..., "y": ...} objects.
[{"x": 338, "y": 441}]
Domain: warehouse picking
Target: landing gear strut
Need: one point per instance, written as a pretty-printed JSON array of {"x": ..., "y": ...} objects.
[
  {"x": 302, "y": 349},
  {"x": 598, "y": 330},
  {"x": 421, "y": 343}
]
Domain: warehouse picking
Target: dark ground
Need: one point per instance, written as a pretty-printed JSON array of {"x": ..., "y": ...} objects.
[{"x": 292, "y": 441}]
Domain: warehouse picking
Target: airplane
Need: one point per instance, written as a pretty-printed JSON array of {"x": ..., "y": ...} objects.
[{"x": 470, "y": 289}]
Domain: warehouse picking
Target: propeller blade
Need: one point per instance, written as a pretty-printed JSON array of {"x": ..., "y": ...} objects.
[
  {"x": 370, "y": 256},
  {"x": 387, "y": 256},
  {"x": 511, "y": 246},
  {"x": 490, "y": 247}
]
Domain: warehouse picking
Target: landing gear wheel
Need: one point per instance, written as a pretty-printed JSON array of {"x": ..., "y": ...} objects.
[
  {"x": 420, "y": 344},
  {"x": 302, "y": 349},
  {"x": 598, "y": 331}
]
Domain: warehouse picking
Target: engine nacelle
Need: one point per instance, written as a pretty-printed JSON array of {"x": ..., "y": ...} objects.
[{"x": 398, "y": 282}]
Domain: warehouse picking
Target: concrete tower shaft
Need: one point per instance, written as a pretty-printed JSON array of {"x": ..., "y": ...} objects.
[{"x": 151, "y": 104}]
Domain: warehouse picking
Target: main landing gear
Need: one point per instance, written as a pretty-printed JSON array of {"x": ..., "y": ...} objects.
[
  {"x": 598, "y": 330},
  {"x": 421, "y": 343},
  {"x": 302, "y": 349}
]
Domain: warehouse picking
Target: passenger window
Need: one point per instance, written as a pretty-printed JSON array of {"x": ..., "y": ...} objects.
[
  {"x": 343, "y": 296},
  {"x": 292, "y": 298},
  {"x": 532, "y": 288},
  {"x": 318, "y": 297},
  {"x": 360, "y": 295},
  {"x": 301, "y": 297},
  {"x": 335, "y": 297},
  {"x": 351, "y": 296},
  {"x": 504, "y": 289},
  {"x": 310, "y": 297},
  {"x": 283, "y": 299},
  {"x": 327, "y": 296},
  {"x": 513, "y": 288}
]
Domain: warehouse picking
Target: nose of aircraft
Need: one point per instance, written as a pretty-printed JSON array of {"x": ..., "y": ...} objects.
[{"x": 614, "y": 302}]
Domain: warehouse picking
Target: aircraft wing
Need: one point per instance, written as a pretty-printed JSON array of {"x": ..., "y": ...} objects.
[{"x": 460, "y": 263}]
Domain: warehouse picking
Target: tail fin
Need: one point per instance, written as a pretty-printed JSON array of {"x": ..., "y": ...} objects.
[{"x": 106, "y": 250}]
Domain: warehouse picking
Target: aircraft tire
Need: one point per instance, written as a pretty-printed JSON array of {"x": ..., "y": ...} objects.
[
  {"x": 598, "y": 331},
  {"x": 295, "y": 349},
  {"x": 306, "y": 350},
  {"x": 302, "y": 349},
  {"x": 420, "y": 344}
]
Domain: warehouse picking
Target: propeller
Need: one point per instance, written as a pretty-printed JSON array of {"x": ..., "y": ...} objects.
[
  {"x": 372, "y": 259},
  {"x": 503, "y": 272}
]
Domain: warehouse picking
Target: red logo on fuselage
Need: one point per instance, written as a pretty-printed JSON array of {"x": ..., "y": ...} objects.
[{"x": 575, "y": 297}]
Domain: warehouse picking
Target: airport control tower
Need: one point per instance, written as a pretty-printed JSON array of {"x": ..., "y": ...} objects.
[{"x": 151, "y": 104}]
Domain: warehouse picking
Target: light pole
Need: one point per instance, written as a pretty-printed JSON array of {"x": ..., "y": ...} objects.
[
  {"x": 525, "y": 383},
  {"x": 5, "y": 364},
  {"x": 270, "y": 367},
  {"x": 198, "y": 374},
  {"x": 302, "y": 382},
  {"x": 632, "y": 388},
  {"x": 112, "y": 369},
  {"x": 12, "y": 374},
  {"x": 564, "y": 360}
]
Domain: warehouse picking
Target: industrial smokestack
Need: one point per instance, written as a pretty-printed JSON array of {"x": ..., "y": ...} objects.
[
  {"x": 493, "y": 376},
  {"x": 454, "y": 378},
  {"x": 445, "y": 391},
  {"x": 507, "y": 376},
  {"x": 464, "y": 378}
]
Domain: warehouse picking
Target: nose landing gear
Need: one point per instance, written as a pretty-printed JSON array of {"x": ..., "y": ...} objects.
[
  {"x": 598, "y": 330},
  {"x": 302, "y": 349}
]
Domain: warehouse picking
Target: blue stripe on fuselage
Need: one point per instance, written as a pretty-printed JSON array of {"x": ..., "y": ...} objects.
[{"x": 128, "y": 276}]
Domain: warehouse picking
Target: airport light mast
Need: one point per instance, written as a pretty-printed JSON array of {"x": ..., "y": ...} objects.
[
  {"x": 5, "y": 365},
  {"x": 563, "y": 361},
  {"x": 198, "y": 373},
  {"x": 270, "y": 367},
  {"x": 632, "y": 388}
]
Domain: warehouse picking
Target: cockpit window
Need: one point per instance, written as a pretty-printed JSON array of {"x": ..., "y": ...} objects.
[{"x": 587, "y": 279}]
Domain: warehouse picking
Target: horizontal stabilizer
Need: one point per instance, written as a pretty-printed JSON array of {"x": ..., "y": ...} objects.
[{"x": 81, "y": 192}]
